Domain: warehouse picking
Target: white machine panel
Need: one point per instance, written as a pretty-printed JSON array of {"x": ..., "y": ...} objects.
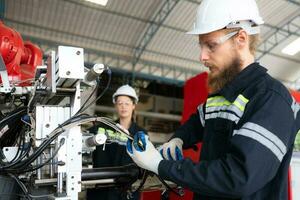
[
  {"x": 48, "y": 118},
  {"x": 70, "y": 62}
]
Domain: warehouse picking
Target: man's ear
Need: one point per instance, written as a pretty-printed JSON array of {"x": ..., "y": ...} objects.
[{"x": 241, "y": 39}]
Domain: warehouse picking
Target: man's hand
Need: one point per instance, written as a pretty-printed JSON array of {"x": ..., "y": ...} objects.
[
  {"x": 143, "y": 153},
  {"x": 172, "y": 150}
]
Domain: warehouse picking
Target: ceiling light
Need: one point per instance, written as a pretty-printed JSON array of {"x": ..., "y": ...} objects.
[
  {"x": 292, "y": 48},
  {"x": 101, "y": 2}
]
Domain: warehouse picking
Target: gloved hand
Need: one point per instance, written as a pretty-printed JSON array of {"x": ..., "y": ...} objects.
[
  {"x": 143, "y": 153},
  {"x": 172, "y": 150}
]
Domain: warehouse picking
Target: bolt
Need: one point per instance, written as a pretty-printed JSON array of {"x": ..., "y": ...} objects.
[
  {"x": 78, "y": 52},
  {"x": 68, "y": 73}
]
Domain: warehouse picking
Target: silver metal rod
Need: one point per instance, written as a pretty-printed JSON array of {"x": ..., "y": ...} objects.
[
  {"x": 61, "y": 89},
  {"x": 59, "y": 182},
  {"x": 93, "y": 182},
  {"x": 39, "y": 171},
  {"x": 51, "y": 167}
]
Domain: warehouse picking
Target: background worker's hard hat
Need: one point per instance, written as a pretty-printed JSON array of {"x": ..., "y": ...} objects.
[
  {"x": 213, "y": 15},
  {"x": 125, "y": 90}
]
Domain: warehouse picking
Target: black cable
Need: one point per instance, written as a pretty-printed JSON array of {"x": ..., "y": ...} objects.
[
  {"x": 144, "y": 178},
  {"x": 21, "y": 110},
  {"x": 25, "y": 190},
  {"x": 146, "y": 173},
  {"x": 21, "y": 185},
  {"x": 11, "y": 194},
  {"x": 22, "y": 142},
  {"x": 23, "y": 164},
  {"x": 168, "y": 187},
  {"x": 62, "y": 141},
  {"x": 10, "y": 125},
  {"x": 102, "y": 93},
  {"x": 20, "y": 158},
  {"x": 92, "y": 93}
]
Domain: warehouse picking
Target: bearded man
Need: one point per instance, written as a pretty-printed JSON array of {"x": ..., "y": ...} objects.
[{"x": 247, "y": 125}]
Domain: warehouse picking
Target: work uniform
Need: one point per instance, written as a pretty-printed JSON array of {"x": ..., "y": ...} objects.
[
  {"x": 247, "y": 129},
  {"x": 114, "y": 155}
]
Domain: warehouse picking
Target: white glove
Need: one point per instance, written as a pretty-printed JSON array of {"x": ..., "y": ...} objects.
[
  {"x": 146, "y": 157},
  {"x": 172, "y": 150}
]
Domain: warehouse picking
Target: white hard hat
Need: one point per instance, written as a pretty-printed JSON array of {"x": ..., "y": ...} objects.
[
  {"x": 213, "y": 15},
  {"x": 125, "y": 90}
]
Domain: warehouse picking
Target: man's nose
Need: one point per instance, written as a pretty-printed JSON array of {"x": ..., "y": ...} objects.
[{"x": 204, "y": 55}]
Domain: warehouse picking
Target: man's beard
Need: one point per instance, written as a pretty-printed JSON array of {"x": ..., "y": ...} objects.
[{"x": 216, "y": 83}]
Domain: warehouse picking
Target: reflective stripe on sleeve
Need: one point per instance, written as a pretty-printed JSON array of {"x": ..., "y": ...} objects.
[
  {"x": 295, "y": 107},
  {"x": 264, "y": 137},
  {"x": 224, "y": 115},
  {"x": 218, "y": 106},
  {"x": 201, "y": 114},
  {"x": 231, "y": 108}
]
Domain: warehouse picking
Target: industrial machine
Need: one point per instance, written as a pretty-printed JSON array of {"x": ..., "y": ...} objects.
[{"x": 42, "y": 120}]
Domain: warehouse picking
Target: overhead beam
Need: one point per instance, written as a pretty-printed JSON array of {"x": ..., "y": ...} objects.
[
  {"x": 123, "y": 15},
  {"x": 297, "y": 2},
  {"x": 280, "y": 34},
  {"x": 117, "y": 62},
  {"x": 148, "y": 21},
  {"x": 261, "y": 50},
  {"x": 7, "y": 20},
  {"x": 152, "y": 28},
  {"x": 14, "y": 22}
]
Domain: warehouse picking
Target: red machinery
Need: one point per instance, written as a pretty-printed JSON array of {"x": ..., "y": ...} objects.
[{"x": 20, "y": 58}]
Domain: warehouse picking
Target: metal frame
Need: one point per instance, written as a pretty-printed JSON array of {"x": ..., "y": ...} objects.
[
  {"x": 280, "y": 34},
  {"x": 144, "y": 69},
  {"x": 153, "y": 27},
  {"x": 10, "y": 21},
  {"x": 297, "y": 2},
  {"x": 132, "y": 17},
  {"x": 150, "y": 32},
  {"x": 153, "y": 70}
]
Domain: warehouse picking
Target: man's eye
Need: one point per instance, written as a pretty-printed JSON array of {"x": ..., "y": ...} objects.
[{"x": 211, "y": 46}]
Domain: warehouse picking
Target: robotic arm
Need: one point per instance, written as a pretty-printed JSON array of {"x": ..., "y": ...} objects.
[{"x": 20, "y": 58}]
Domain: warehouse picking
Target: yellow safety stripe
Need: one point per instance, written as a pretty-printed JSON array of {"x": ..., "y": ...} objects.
[
  {"x": 215, "y": 98},
  {"x": 244, "y": 99},
  {"x": 237, "y": 104},
  {"x": 219, "y": 101},
  {"x": 217, "y": 104}
]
